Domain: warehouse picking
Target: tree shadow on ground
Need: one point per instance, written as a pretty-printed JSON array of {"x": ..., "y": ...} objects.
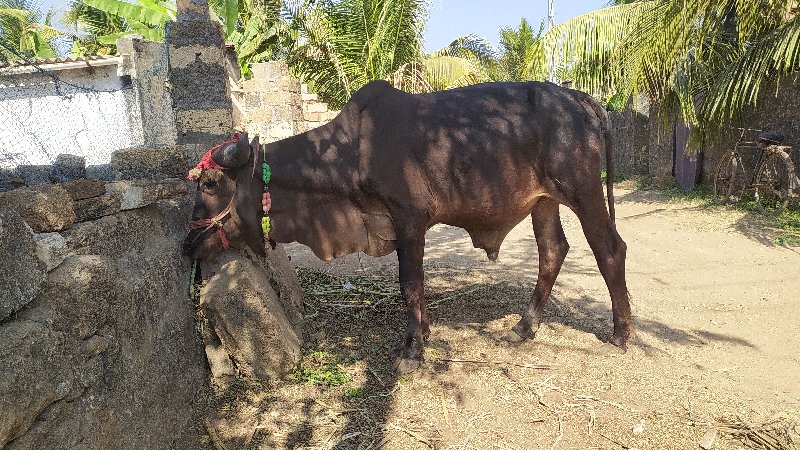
[{"x": 367, "y": 339}]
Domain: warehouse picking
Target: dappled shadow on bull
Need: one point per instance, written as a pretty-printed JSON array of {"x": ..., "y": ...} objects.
[{"x": 392, "y": 164}]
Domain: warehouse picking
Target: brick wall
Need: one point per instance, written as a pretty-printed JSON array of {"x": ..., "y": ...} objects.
[{"x": 273, "y": 105}]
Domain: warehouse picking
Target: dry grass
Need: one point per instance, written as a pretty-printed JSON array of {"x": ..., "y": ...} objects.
[
  {"x": 463, "y": 398},
  {"x": 565, "y": 389},
  {"x": 779, "y": 432}
]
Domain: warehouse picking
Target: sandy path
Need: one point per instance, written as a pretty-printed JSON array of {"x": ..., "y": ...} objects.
[{"x": 717, "y": 313}]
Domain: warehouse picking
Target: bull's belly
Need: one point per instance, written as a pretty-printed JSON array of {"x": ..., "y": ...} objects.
[{"x": 488, "y": 226}]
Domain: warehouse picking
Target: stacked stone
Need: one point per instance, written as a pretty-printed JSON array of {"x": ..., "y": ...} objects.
[
  {"x": 272, "y": 103},
  {"x": 94, "y": 324},
  {"x": 50, "y": 208},
  {"x": 315, "y": 112},
  {"x": 129, "y": 164},
  {"x": 198, "y": 79}
]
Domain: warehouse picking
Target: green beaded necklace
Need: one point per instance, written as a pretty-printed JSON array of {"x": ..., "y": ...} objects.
[{"x": 266, "y": 200}]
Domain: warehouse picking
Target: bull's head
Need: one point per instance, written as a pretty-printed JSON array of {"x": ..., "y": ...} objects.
[{"x": 228, "y": 201}]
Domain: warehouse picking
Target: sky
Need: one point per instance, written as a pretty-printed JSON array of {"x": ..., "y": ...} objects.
[{"x": 450, "y": 19}]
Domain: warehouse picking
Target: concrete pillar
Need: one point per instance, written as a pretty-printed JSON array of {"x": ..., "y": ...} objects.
[
  {"x": 198, "y": 79},
  {"x": 146, "y": 63}
]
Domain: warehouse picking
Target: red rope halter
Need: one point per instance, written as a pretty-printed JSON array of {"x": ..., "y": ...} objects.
[
  {"x": 214, "y": 222},
  {"x": 207, "y": 161}
]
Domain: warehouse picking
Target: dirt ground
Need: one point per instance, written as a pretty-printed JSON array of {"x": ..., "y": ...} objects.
[{"x": 717, "y": 317}]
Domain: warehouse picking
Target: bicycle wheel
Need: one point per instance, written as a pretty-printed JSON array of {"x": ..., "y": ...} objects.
[
  {"x": 729, "y": 179},
  {"x": 772, "y": 183}
]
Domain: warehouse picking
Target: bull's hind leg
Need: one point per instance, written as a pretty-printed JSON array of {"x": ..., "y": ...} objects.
[
  {"x": 553, "y": 248},
  {"x": 609, "y": 251}
]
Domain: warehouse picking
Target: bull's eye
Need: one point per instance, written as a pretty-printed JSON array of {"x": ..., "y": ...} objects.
[{"x": 208, "y": 184}]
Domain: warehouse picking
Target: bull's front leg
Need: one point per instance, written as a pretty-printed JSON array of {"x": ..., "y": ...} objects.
[{"x": 410, "y": 251}]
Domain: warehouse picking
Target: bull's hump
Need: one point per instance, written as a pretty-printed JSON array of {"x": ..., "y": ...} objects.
[{"x": 368, "y": 94}]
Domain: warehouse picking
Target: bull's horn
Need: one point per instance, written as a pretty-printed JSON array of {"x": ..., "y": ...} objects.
[{"x": 233, "y": 155}]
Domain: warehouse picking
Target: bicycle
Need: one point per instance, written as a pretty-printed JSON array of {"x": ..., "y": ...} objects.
[{"x": 773, "y": 179}]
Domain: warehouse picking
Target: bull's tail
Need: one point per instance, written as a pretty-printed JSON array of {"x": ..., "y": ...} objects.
[{"x": 608, "y": 139}]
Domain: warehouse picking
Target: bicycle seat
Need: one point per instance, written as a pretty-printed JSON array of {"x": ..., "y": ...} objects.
[{"x": 770, "y": 138}]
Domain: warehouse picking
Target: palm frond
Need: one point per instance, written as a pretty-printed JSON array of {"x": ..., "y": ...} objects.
[
  {"x": 348, "y": 43},
  {"x": 774, "y": 55},
  {"x": 589, "y": 46},
  {"x": 149, "y": 13}
]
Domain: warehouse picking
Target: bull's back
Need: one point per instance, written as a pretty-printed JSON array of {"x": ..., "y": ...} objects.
[{"x": 483, "y": 153}]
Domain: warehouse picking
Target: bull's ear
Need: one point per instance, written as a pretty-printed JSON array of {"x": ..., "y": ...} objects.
[{"x": 234, "y": 155}]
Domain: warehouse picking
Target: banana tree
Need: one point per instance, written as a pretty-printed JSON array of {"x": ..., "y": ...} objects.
[
  {"x": 23, "y": 33},
  {"x": 254, "y": 27},
  {"x": 145, "y": 17}
]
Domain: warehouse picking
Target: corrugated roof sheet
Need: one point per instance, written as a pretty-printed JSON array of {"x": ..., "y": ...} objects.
[{"x": 55, "y": 61}]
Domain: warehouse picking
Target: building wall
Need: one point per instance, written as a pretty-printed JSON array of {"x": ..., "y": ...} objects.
[
  {"x": 40, "y": 118},
  {"x": 274, "y": 105}
]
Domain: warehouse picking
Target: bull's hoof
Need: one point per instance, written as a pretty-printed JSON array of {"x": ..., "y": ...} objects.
[
  {"x": 618, "y": 345},
  {"x": 620, "y": 342},
  {"x": 405, "y": 366},
  {"x": 512, "y": 337},
  {"x": 522, "y": 331}
]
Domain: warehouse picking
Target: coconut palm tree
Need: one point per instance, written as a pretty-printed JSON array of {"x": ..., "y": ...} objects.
[
  {"x": 518, "y": 47},
  {"x": 467, "y": 60},
  {"x": 345, "y": 44},
  {"x": 707, "y": 59},
  {"x": 89, "y": 24},
  {"x": 24, "y": 32}
]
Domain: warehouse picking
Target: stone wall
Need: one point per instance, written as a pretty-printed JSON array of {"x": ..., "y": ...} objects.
[
  {"x": 101, "y": 344},
  {"x": 631, "y": 139},
  {"x": 315, "y": 112},
  {"x": 97, "y": 341},
  {"x": 198, "y": 76},
  {"x": 274, "y": 105},
  {"x": 644, "y": 142},
  {"x": 98, "y": 334}
]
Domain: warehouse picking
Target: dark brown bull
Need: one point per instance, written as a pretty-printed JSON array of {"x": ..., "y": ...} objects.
[{"x": 392, "y": 164}]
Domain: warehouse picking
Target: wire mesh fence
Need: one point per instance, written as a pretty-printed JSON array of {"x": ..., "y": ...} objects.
[{"x": 64, "y": 110}]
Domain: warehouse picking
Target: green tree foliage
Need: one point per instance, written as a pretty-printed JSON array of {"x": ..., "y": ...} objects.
[
  {"x": 347, "y": 43},
  {"x": 91, "y": 27},
  {"x": 263, "y": 30},
  {"x": 470, "y": 59},
  {"x": 25, "y": 31},
  {"x": 467, "y": 60},
  {"x": 97, "y": 24},
  {"x": 707, "y": 59},
  {"x": 518, "y": 47},
  {"x": 254, "y": 27}
]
